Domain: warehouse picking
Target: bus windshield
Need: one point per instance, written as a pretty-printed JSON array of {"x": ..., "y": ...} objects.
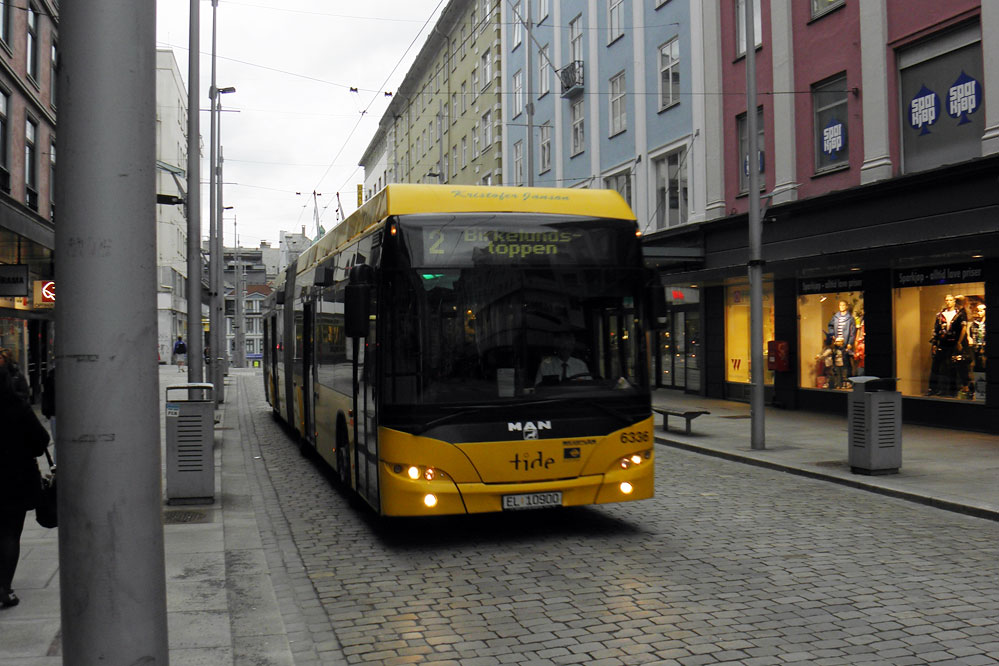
[{"x": 514, "y": 310}]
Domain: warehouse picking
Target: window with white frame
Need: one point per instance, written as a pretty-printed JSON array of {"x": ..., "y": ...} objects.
[
  {"x": 829, "y": 106},
  {"x": 576, "y": 39},
  {"x": 671, "y": 189},
  {"x": 621, "y": 182},
  {"x": 615, "y": 19},
  {"x": 52, "y": 168},
  {"x": 454, "y": 54},
  {"x": 446, "y": 173},
  {"x": 446, "y": 114},
  {"x": 464, "y": 41},
  {"x": 487, "y": 179},
  {"x": 669, "y": 73},
  {"x": 454, "y": 107},
  {"x": 618, "y": 106},
  {"x": 518, "y": 164},
  {"x": 31, "y": 162},
  {"x": 542, "y": 10},
  {"x": 820, "y": 7},
  {"x": 454, "y": 158},
  {"x": 5, "y": 21},
  {"x": 464, "y": 97},
  {"x": 475, "y": 83},
  {"x": 487, "y": 129},
  {"x": 545, "y": 132},
  {"x": 544, "y": 78},
  {"x": 518, "y": 93},
  {"x": 464, "y": 152},
  {"x": 740, "y": 26},
  {"x": 475, "y": 141},
  {"x": 487, "y": 68},
  {"x": 516, "y": 15},
  {"x": 578, "y": 129},
  {"x": 742, "y": 130}
]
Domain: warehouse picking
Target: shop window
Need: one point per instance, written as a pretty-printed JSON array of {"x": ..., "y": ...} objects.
[
  {"x": 831, "y": 334},
  {"x": 942, "y": 99},
  {"x": 737, "y": 351},
  {"x": 940, "y": 333}
]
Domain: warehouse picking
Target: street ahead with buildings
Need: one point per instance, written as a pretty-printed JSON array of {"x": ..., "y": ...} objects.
[{"x": 874, "y": 138}]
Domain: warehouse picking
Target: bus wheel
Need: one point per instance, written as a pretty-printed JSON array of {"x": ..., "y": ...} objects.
[{"x": 342, "y": 459}]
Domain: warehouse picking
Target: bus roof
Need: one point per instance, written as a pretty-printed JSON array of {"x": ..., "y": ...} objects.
[{"x": 409, "y": 199}]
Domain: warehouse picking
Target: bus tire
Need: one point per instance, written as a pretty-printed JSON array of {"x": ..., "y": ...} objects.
[{"x": 342, "y": 459}]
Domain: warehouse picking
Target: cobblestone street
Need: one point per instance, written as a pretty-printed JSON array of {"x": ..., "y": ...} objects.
[{"x": 729, "y": 563}]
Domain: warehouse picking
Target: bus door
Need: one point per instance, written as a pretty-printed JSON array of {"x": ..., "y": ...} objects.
[
  {"x": 309, "y": 372},
  {"x": 273, "y": 349},
  {"x": 363, "y": 351}
]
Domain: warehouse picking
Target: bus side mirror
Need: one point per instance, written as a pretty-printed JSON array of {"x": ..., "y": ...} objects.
[{"x": 357, "y": 301}]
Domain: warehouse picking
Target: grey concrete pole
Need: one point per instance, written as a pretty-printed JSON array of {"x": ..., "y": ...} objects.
[
  {"x": 195, "y": 337},
  {"x": 214, "y": 257},
  {"x": 239, "y": 358},
  {"x": 529, "y": 44},
  {"x": 758, "y": 431},
  {"x": 223, "y": 349},
  {"x": 111, "y": 560}
]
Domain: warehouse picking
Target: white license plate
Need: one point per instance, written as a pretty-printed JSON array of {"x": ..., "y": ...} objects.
[{"x": 532, "y": 501}]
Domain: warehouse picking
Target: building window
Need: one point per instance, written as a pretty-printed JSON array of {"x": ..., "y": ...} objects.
[
  {"x": 820, "y": 7},
  {"x": 542, "y": 10},
  {"x": 464, "y": 152},
  {"x": 52, "y": 169},
  {"x": 4, "y": 132},
  {"x": 942, "y": 100},
  {"x": 669, "y": 73},
  {"x": 447, "y": 115},
  {"x": 487, "y": 68},
  {"x": 31, "y": 163},
  {"x": 487, "y": 179},
  {"x": 475, "y": 141},
  {"x": 576, "y": 120},
  {"x": 445, "y": 173},
  {"x": 615, "y": 19},
  {"x": 546, "y": 147},
  {"x": 830, "y": 332},
  {"x": 32, "y": 45},
  {"x": 53, "y": 73},
  {"x": 621, "y": 183},
  {"x": 487, "y": 129},
  {"x": 463, "y": 41},
  {"x": 517, "y": 27},
  {"x": 518, "y": 164},
  {"x": 518, "y": 93},
  {"x": 742, "y": 129},
  {"x": 576, "y": 39},
  {"x": 475, "y": 83},
  {"x": 454, "y": 159},
  {"x": 464, "y": 98},
  {"x": 829, "y": 107},
  {"x": 740, "y": 26},
  {"x": 544, "y": 78},
  {"x": 737, "y": 315},
  {"x": 671, "y": 189},
  {"x": 940, "y": 332},
  {"x": 5, "y": 21},
  {"x": 618, "y": 107}
]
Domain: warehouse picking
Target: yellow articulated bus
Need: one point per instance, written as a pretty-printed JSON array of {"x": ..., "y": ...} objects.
[{"x": 462, "y": 349}]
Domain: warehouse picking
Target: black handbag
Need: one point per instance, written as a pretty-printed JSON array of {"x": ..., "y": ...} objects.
[{"x": 45, "y": 507}]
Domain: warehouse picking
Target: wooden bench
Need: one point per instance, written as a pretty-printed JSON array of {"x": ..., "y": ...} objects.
[{"x": 688, "y": 414}]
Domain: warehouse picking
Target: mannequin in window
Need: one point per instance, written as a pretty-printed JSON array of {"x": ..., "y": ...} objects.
[
  {"x": 836, "y": 363},
  {"x": 948, "y": 334},
  {"x": 976, "y": 337},
  {"x": 843, "y": 326},
  {"x": 562, "y": 366}
]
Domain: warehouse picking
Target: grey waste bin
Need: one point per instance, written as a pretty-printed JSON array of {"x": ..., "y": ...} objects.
[
  {"x": 190, "y": 438},
  {"x": 874, "y": 420}
]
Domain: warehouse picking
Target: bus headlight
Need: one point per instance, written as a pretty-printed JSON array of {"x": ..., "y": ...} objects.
[
  {"x": 430, "y": 500},
  {"x": 417, "y": 472},
  {"x": 627, "y": 462},
  {"x": 626, "y": 487}
]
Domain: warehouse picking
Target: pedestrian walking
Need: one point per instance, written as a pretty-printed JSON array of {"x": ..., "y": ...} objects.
[
  {"x": 48, "y": 402},
  {"x": 16, "y": 378},
  {"x": 180, "y": 353},
  {"x": 24, "y": 440}
]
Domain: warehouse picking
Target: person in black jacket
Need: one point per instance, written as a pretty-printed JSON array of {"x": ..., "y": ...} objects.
[
  {"x": 17, "y": 380},
  {"x": 24, "y": 439}
]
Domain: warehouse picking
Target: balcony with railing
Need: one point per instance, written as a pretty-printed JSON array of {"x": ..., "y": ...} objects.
[{"x": 571, "y": 77}]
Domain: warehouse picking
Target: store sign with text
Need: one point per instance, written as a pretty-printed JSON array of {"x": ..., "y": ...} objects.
[
  {"x": 44, "y": 293},
  {"x": 830, "y": 285},
  {"x": 932, "y": 275},
  {"x": 13, "y": 279}
]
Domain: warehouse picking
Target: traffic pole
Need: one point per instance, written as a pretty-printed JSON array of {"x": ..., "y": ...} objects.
[
  {"x": 111, "y": 559},
  {"x": 755, "y": 264}
]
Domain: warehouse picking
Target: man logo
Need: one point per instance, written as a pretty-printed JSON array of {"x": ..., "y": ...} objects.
[{"x": 528, "y": 429}]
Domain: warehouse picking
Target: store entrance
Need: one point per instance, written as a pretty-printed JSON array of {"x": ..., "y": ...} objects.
[{"x": 678, "y": 344}]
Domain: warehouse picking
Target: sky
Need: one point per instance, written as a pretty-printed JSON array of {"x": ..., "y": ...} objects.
[{"x": 294, "y": 127}]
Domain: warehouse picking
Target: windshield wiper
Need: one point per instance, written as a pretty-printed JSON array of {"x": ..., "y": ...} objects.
[{"x": 453, "y": 415}]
